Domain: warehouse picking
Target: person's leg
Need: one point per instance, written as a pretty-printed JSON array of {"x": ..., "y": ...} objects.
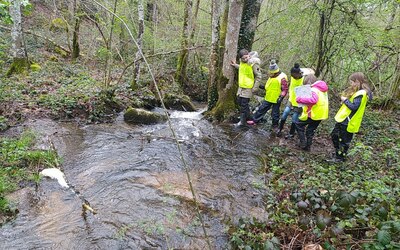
[
  {"x": 244, "y": 110},
  {"x": 284, "y": 116},
  {"x": 310, "y": 131},
  {"x": 301, "y": 127},
  {"x": 344, "y": 141},
  {"x": 262, "y": 110},
  {"x": 275, "y": 114}
]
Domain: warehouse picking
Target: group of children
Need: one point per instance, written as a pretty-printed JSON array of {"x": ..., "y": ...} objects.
[{"x": 307, "y": 111}]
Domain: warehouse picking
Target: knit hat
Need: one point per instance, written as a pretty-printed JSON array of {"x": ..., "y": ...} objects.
[
  {"x": 243, "y": 52},
  {"x": 273, "y": 67},
  {"x": 296, "y": 68}
]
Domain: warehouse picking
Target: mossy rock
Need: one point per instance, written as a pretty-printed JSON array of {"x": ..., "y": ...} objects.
[
  {"x": 141, "y": 116},
  {"x": 178, "y": 102},
  {"x": 35, "y": 67},
  {"x": 61, "y": 52},
  {"x": 19, "y": 66},
  {"x": 144, "y": 98},
  {"x": 58, "y": 24},
  {"x": 53, "y": 58}
]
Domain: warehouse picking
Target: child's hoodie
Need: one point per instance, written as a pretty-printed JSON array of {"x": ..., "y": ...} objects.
[{"x": 310, "y": 101}]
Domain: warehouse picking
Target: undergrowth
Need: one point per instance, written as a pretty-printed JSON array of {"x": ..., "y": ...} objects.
[
  {"x": 19, "y": 164},
  {"x": 350, "y": 205}
]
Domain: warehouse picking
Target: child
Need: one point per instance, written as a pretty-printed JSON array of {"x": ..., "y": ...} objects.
[
  {"x": 348, "y": 118},
  {"x": 296, "y": 80},
  {"x": 248, "y": 80},
  {"x": 314, "y": 112},
  {"x": 275, "y": 90}
]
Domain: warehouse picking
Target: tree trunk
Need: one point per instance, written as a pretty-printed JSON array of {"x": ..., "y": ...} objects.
[
  {"x": 107, "y": 71},
  {"x": 136, "y": 70},
  {"x": 216, "y": 8},
  {"x": 75, "y": 38},
  {"x": 20, "y": 57},
  {"x": 229, "y": 35},
  {"x": 180, "y": 74},
  {"x": 152, "y": 17},
  {"x": 325, "y": 41},
  {"x": 194, "y": 20},
  {"x": 251, "y": 10}
]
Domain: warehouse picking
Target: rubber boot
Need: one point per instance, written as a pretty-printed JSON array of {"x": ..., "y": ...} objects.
[
  {"x": 302, "y": 138},
  {"x": 292, "y": 129},
  {"x": 242, "y": 121},
  {"x": 280, "y": 128},
  {"x": 308, "y": 144}
]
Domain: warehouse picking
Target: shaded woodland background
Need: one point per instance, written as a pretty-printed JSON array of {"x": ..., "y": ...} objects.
[{"x": 188, "y": 43}]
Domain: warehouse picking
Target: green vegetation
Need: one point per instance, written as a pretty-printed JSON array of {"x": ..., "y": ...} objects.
[
  {"x": 20, "y": 163},
  {"x": 348, "y": 205}
]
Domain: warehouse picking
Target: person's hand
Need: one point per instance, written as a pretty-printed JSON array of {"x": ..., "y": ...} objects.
[
  {"x": 280, "y": 98},
  {"x": 233, "y": 63},
  {"x": 343, "y": 98}
]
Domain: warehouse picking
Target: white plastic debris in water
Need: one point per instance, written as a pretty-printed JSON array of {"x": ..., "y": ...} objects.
[{"x": 55, "y": 173}]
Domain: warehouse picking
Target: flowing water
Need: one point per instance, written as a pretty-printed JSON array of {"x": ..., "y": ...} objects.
[{"x": 134, "y": 179}]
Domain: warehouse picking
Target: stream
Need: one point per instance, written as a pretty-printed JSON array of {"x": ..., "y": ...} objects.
[{"x": 134, "y": 179}]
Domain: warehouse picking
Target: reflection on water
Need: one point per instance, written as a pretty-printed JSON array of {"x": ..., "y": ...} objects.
[{"x": 133, "y": 177}]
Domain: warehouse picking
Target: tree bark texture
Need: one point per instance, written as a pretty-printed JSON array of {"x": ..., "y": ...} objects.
[
  {"x": 251, "y": 10},
  {"x": 229, "y": 35},
  {"x": 212, "y": 96},
  {"x": 18, "y": 50},
  {"x": 136, "y": 69},
  {"x": 75, "y": 36},
  {"x": 324, "y": 44},
  {"x": 181, "y": 74},
  {"x": 107, "y": 71}
]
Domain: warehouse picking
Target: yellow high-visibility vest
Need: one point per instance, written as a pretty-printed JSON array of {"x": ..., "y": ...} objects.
[
  {"x": 320, "y": 110},
  {"x": 344, "y": 112},
  {"x": 246, "y": 76},
  {"x": 273, "y": 88},
  {"x": 293, "y": 84}
]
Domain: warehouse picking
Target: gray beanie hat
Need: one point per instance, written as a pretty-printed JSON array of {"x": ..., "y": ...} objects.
[{"x": 273, "y": 67}]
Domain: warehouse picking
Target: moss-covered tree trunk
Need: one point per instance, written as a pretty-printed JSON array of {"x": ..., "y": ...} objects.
[
  {"x": 109, "y": 57},
  {"x": 215, "y": 58},
  {"x": 20, "y": 57},
  {"x": 226, "y": 83},
  {"x": 181, "y": 74},
  {"x": 75, "y": 36},
  {"x": 251, "y": 10}
]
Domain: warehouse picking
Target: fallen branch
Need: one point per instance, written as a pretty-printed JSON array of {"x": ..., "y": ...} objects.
[
  {"x": 40, "y": 36},
  {"x": 154, "y": 55}
]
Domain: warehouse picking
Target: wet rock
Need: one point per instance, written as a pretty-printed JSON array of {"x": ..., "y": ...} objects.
[
  {"x": 141, "y": 116},
  {"x": 178, "y": 102}
]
